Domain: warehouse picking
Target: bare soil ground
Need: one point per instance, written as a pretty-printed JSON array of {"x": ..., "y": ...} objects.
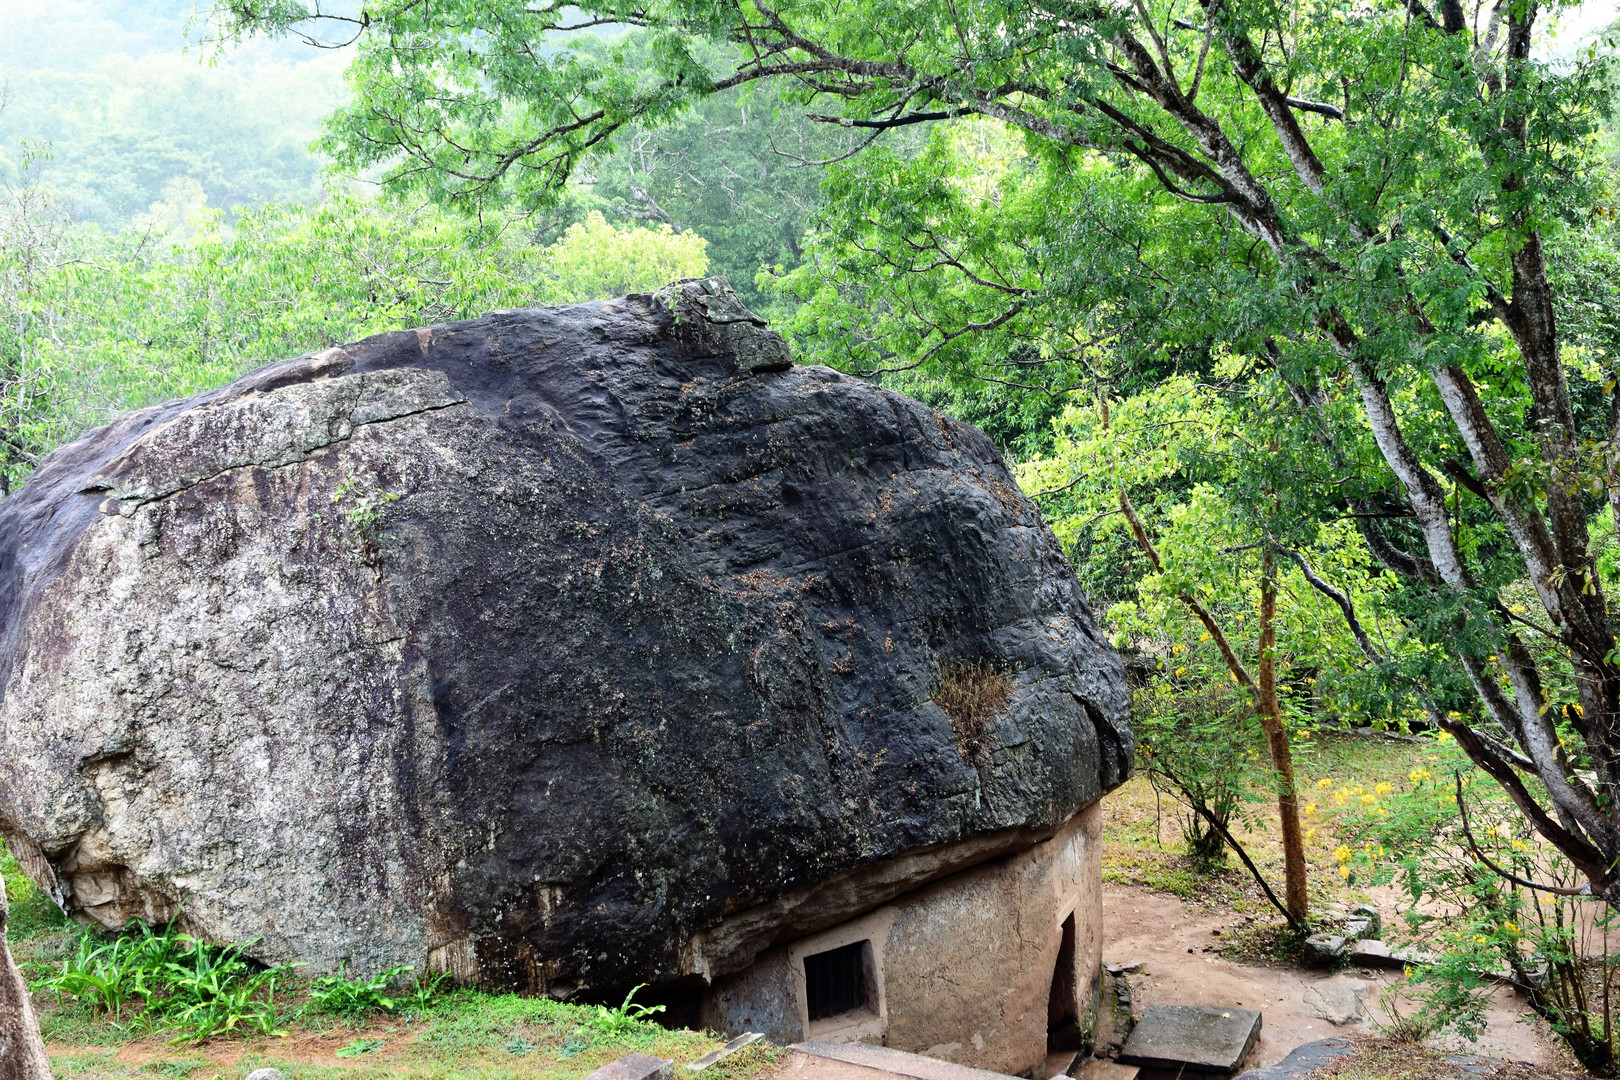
[
  {"x": 1209, "y": 940},
  {"x": 1179, "y": 946}
]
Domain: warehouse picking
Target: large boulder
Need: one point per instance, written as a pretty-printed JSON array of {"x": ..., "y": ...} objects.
[{"x": 529, "y": 646}]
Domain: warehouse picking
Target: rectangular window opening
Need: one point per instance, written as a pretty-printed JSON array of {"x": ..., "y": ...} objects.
[{"x": 837, "y": 981}]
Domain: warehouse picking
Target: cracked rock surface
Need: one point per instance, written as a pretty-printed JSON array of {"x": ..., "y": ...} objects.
[{"x": 527, "y": 647}]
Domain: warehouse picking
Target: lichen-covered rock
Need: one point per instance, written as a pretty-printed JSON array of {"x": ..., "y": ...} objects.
[
  {"x": 22, "y": 1054},
  {"x": 527, "y": 647}
]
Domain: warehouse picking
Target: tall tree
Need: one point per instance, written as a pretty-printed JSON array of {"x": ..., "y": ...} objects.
[{"x": 1384, "y": 192}]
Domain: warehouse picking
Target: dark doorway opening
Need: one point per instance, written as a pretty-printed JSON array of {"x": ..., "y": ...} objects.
[
  {"x": 838, "y": 981},
  {"x": 1063, "y": 1004}
]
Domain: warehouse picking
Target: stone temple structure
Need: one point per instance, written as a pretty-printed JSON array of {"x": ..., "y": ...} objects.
[{"x": 568, "y": 649}]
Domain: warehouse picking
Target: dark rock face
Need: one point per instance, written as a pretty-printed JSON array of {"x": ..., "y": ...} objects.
[{"x": 527, "y": 646}]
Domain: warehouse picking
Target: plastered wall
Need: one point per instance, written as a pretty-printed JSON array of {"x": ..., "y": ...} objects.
[{"x": 963, "y": 967}]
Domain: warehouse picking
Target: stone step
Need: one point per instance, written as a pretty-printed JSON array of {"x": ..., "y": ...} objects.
[
  {"x": 1195, "y": 1037},
  {"x": 1059, "y": 1063},
  {"x": 1107, "y": 1070},
  {"x": 898, "y": 1062}
]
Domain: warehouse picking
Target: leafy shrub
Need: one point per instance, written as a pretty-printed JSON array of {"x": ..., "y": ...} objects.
[
  {"x": 625, "y": 1019},
  {"x": 174, "y": 981},
  {"x": 355, "y": 997},
  {"x": 1194, "y": 741},
  {"x": 1453, "y": 844}
]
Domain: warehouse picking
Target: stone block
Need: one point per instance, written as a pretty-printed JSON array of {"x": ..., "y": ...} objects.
[
  {"x": 1195, "y": 1037},
  {"x": 635, "y": 1067},
  {"x": 1368, "y": 914},
  {"x": 1323, "y": 948},
  {"x": 716, "y": 1056}
]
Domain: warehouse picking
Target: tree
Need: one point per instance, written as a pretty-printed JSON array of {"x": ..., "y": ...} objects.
[
  {"x": 740, "y": 169},
  {"x": 92, "y": 323},
  {"x": 1383, "y": 199}
]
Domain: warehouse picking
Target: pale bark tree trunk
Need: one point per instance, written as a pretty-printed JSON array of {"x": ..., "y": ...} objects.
[{"x": 22, "y": 1052}]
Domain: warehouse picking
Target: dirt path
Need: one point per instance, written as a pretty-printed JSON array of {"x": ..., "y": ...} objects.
[{"x": 1175, "y": 943}]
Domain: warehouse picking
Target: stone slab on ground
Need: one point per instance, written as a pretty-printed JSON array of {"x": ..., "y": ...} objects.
[
  {"x": 1196, "y": 1037},
  {"x": 1336, "y": 1000},
  {"x": 634, "y": 1067},
  {"x": 1107, "y": 1070},
  {"x": 1302, "y": 1061},
  {"x": 898, "y": 1062},
  {"x": 714, "y": 1057},
  {"x": 1379, "y": 954},
  {"x": 807, "y": 1067}
]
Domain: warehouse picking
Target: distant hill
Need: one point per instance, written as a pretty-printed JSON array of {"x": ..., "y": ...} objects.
[{"x": 130, "y": 107}]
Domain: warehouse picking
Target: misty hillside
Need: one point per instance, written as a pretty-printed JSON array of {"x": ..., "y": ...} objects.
[{"x": 131, "y": 105}]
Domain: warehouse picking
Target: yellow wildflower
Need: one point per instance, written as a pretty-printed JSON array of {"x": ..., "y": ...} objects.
[
  {"x": 1181, "y": 671},
  {"x": 1418, "y": 775},
  {"x": 1383, "y": 788},
  {"x": 1510, "y": 928},
  {"x": 1310, "y": 834},
  {"x": 1310, "y": 808},
  {"x": 1324, "y": 783},
  {"x": 1342, "y": 853},
  {"x": 1344, "y": 872}
]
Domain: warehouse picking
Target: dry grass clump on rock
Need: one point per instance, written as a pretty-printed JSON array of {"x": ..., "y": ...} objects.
[{"x": 973, "y": 695}]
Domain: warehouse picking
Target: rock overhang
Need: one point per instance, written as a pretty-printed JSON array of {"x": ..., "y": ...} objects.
[{"x": 529, "y": 647}]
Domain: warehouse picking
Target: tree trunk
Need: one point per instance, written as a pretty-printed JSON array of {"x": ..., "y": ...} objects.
[
  {"x": 22, "y": 1053},
  {"x": 1282, "y": 758}
]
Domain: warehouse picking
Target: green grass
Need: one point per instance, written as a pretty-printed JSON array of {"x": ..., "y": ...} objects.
[
  {"x": 32, "y": 914},
  {"x": 464, "y": 1036},
  {"x": 332, "y": 1028},
  {"x": 1143, "y": 845}
]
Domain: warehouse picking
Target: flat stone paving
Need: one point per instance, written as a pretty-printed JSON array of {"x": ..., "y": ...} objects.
[
  {"x": 898, "y": 1062},
  {"x": 1303, "y": 1061},
  {"x": 1194, "y": 1037}
]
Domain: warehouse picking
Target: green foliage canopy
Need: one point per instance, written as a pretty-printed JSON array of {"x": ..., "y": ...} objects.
[
  {"x": 97, "y": 322},
  {"x": 1387, "y": 209}
]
